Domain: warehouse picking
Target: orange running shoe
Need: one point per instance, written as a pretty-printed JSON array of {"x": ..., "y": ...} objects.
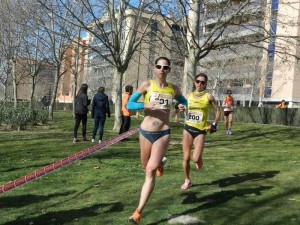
[
  {"x": 160, "y": 170},
  {"x": 135, "y": 218},
  {"x": 199, "y": 164}
]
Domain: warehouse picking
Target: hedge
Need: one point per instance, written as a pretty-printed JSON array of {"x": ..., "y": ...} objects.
[
  {"x": 266, "y": 115},
  {"x": 261, "y": 115}
]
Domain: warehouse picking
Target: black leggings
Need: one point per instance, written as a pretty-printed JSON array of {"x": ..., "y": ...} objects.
[
  {"x": 78, "y": 118},
  {"x": 126, "y": 121}
]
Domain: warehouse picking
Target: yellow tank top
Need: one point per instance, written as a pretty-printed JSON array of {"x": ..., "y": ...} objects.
[
  {"x": 164, "y": 95},
  {"x": 197, "y": 111}
]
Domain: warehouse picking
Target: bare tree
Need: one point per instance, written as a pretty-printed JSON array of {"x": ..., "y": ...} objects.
[
  {"x": 118, "y": 28},
  {"x": 217, "y": 75},
  {"x": 58, "y": 35},
  {"x": 12, "y": 38},
  {"x": 212, "y": 25},
  {"x": 33, "y": 60},
  {"x": 190, "y": 15}
]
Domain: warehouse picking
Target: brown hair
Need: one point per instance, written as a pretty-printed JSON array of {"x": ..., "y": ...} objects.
[
  {"x": 82, "y": 90},
  {"x": 163, "y": 58}
]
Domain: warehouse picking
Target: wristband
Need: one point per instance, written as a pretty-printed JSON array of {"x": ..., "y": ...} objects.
[
  {"x": 181, "y": 100},
  {"x": 132, "y": 103}
]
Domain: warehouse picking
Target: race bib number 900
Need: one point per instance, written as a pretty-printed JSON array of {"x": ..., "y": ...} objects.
[
  {"x": 165, "y": 100},
  {"x": 194, "y": 117}
]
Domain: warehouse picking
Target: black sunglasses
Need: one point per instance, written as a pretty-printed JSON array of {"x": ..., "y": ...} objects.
[
  {"x": 200, "y": 82},
  {"x": 160, "y": 66}
]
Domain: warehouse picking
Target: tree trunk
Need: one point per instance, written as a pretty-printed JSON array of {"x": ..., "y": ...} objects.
[
  {"x": 32, "y": 92},
  {"x": 14, "y": 80},
  {"x": 74, "y": 89},
  {"x": 191, "y": 59},
  {"x": 117, "y": 93},
  {"x": 54, "y": 91},
  {"x": 190, "y": 66}
]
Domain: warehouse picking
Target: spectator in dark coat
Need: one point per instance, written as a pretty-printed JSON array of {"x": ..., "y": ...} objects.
[
  {"x": 100, "y": 108},
  {"x": 81, "y": 111}
]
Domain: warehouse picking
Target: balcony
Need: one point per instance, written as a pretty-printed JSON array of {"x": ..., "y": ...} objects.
[
  {"x": 214, "y": 17},
  {"x": 224, "y": 55},
  {"x": 235, "y": 32}
]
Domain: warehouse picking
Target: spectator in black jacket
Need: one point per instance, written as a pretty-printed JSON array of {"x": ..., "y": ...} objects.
[
  {"x": 81, "y": 111},
  {"x": 100, "y": 108}
]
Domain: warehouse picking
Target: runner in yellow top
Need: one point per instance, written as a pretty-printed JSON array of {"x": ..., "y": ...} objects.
[
  {"x": 164, "y": 95},
  {"x": 197, "y": 111},
  {"x": 195, "y": 127},
  {"x": 155, "y": 129}
]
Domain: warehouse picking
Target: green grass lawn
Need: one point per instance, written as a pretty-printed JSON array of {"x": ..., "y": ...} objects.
[{"x": 249, "y": 178}]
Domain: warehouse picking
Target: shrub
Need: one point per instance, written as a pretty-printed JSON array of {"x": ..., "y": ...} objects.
[
  {"x": 43, "y": 116},
  {"x": 18, "y": 118},
  {"x": 264, "y": 115}
]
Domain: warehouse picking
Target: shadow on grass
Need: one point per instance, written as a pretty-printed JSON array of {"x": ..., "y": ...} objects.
[
  {"x": 245, "y": 136},
  {"x": 219, "y": 198},
  {"x": 291, "y": 218},
  {"x": 255, "y": 133},
  {"x": 24, "y": 167},
  {"x": 25, "y": 200},
  {"x": 213, "y": 200},
  {"x": 240, "y": 178},
  {"x": 68, "y": 216}
]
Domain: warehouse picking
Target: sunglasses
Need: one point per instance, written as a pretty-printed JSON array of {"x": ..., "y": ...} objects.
[
  {"x": 200, "y": 82},
  {"x": 164, "y": 67}
]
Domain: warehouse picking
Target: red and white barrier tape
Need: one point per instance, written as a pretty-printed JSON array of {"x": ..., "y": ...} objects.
[{"x": 54, "y": 166}]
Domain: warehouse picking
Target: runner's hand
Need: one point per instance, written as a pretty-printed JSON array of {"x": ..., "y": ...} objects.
[{"x": 213, "y": 128}]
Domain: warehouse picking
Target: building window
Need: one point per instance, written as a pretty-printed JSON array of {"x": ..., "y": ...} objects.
[
  {"x": 176, "y": 30},
  {"x": 154, "y": 28},
  {"x": 271, "y": 48},
  {"x": 268, "y": 92}
]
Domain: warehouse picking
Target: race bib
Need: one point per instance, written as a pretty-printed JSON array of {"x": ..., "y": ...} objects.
[
  {"x": 194, "y": 117},
  {"x": 228, "y": 108},
  {"x": 165, "y": 100}
]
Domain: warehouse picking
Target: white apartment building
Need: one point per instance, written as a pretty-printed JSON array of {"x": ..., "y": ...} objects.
[{"x": 263, "y": 74}]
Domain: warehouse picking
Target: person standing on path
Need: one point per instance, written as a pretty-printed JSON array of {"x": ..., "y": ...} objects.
[
  {"x": 125, "y": 113},
  {"x": 100, "y": 108},
  {"x": 81, "y": 111}
]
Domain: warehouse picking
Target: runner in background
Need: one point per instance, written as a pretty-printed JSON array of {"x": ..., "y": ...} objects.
[
  {"x": 228, "y": 105},
  {"x": 281, "y": 105}
]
